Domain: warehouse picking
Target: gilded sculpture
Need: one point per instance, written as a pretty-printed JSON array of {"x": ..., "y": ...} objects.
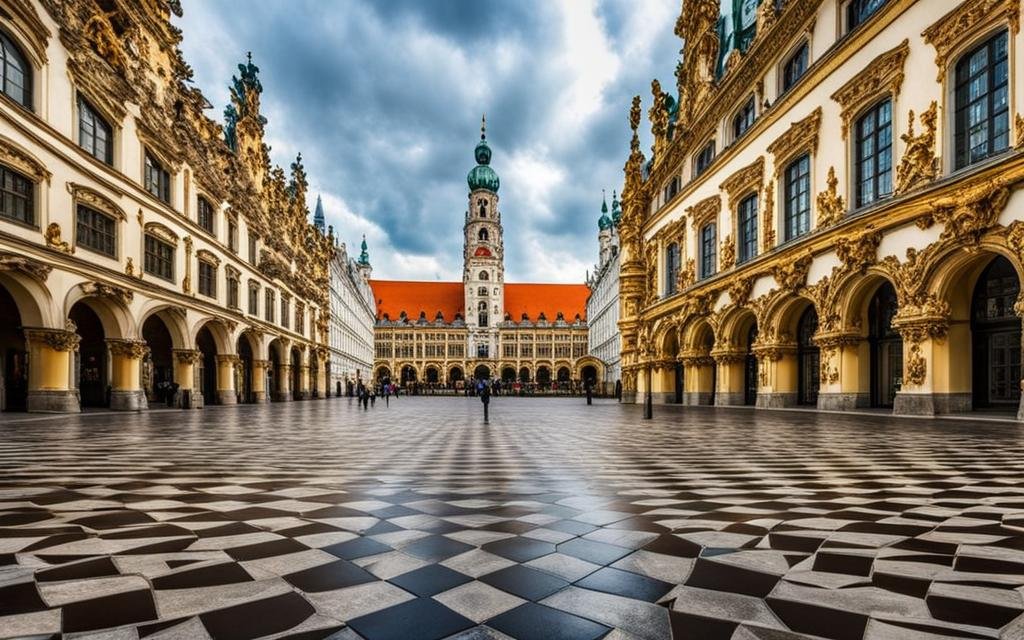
[
  {"x": 918, "y": 164},
  {"x": 53, "y": 239},
  {"x": 831, "y": 205}
]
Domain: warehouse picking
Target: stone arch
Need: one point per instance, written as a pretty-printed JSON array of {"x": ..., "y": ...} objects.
[
  {"x": 219, "y": 330},
  {"x": 110, "y": 304},
  {"x": 456, "y": 374},
  {"x": 432, "y": 373},
  {"x": 589, "y": 361},
  {"x": 33, "y": 299},
  {"x": 698, "y": 336},
  {"x": 173, "y": 318}
]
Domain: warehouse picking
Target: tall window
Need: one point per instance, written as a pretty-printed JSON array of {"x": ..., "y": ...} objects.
[
  {"x": 743, "y": 120},
  {"x": 704, "y": 159},
  {"x": 672, "y": 269},
  {"x": 232, "y": 235},
  {"x": 254, "y": 299},
  {"x": 747, "y": 223},
  {"x": 708, "y": 242},
  {"x": 794, "y": 68},
  {"x": 798, "y": 197},
  {"x": 874, "y": 154},
  {"x": 285, "y": 313},
  {"x": 16, "y": 197},
  {"x": 205, "y": 215},
  {"x": 300, "y": 319},
  {"x": 96, "y": 231},
  {"x": 233, "y": 292},
  {"x": 858, "y": 11},
  {"x": 268, "y": 310},
  {"x": 207, "y": 279},
  {"x": 252, "y": 247},
  {"x": 157, "y": 179},
  {"x": 482, "y": 313},
  {"x": 482, "y": 235},
  {"x": 982, "y": 111},
  {"x": 15, "y": 72},
  {"x": 95, "y": 135},
  {"x": 159, "y": 259},
  {"x": 672, "y": 187}
]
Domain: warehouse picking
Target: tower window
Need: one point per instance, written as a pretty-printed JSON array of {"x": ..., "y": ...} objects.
[
  {"x": 483, "y": 207},
  {"x": 482, "y": 235},
  {"x": 481, "y": 291},
  {"x": 484, "y": 275},
  {"x": 482, "y": 314}
]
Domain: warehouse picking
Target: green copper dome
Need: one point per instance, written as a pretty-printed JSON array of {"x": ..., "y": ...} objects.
[
  {"x": 482, "y": 176},
  {"x": 616, "y": 209},
  {"x": 604, "y": 222},
  {"x": 364, "y": 255}
]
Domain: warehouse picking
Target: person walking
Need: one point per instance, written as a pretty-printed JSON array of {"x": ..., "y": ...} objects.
[
  {"x": 387, "y": 395},
  {"x": 485, "y": 397},
  {"x": 590, "y": 394},
  {"x": 373, "y": 396}
]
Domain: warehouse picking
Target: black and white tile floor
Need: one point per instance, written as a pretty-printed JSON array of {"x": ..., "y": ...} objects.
[{"x": 557, "y": 520}]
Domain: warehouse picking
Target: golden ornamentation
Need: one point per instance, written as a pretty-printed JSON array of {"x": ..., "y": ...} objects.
[
  {"x": 964, "y": 22},
  {"x": 108, "y": 292},
  {"x": 705, "y": 211},
  {"x": 793, "y": 274},
  {"x": 915, "y": 368},
  {"x": 53, "y": 239},
  {"x": 971, "y": 211},
  {"x": 766, "y": 18},
  {"x": 739, "y": 291},
  {"x": 860, "y": 251},
  {"x": 696, "y": 78},
  {"x": 186, "y": 282},
  {"x": 129, "y": 268},
  {"x": 831, "y": 205},
  {"x": 1018, "y": 123},
  {"x": 188, "y": 356},
  {"x": 919, "y": 164},
  {"x": 741, "y": 183},
  {"x": 22, "y": 264},
  {"x": 883, "y": 75},
  {"x": 687, "y": 275},
  {"x": 55, "y": 339},
  {"x": 100, "y": 35},
  {"x": 727, "y": 251},
  {"x": 658, "y": 115},
  {"x": 160, "y": 231},
  {"x": 768, "y": 216},
  {"x": 131, "y": 349},
  {"x": 208, "y": 256},
  {"x": 96, "y": 200},
  {"x": 229, "y": 358},
  {"x": 14, "y": 156},
  {"x": 802, "y": 136}
]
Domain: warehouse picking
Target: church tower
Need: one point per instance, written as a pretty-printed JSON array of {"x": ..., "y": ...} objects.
[{"x": 483, "y": 275}]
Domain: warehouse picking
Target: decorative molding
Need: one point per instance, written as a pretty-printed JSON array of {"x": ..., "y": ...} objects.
[
  {"x": 707, "y": 210},
  {"x": 24, "y": 15},
  {"x": 131, "y": 349},
  {"x": 188, "y": 356},
  {"x": 768, "y": 217},
  {"x": 52, "y": 235},
  {"x": 831, "y": 206},
  {"x": 107, "y": 291},
  {"x": 208, "y": 256},
  {"x": 918, "y": 165},
  {"x": 963, "y": 23},
  {"x": 743, "y": 182},
  {"x": 972, "y": 211},
  {"x": 800, "y": 137},
  {"x": 162, "y": 232},
  {"x": 793, "y": 275},
  {"x": 19, "y": 159},
  {"x": 882, "y": 75},
  {"x": 860, "y": 251},
  {"x": 727, "y": 253},
  {"x": 24, "y": 264},
  {"x": 96, "y": 200},
  {"x": 55, "y": 339}
]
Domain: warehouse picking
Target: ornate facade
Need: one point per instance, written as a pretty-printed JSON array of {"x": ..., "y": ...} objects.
[
  {"x": 603, "y": 339},
  {"x": 147, "y": 253},
  {"x": 442, "y": 333},
  {"x": 849, "y": 234}
]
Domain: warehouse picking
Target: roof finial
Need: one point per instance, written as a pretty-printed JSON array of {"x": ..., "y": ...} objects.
[
  {"x": 249, "y": 57},
  {"x": 483, "y": 127}
]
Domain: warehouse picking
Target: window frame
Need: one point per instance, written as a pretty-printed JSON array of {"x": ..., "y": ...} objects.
[
  {"x": 84, "y": 107},
  {"x": 209, "y": 277},
  {"x": 704, "y": 159},
  {"x": 878, "y": 174},
  {"x": 270, "y": 305},
  {"x": 708, "y": 244},
  {"x": 90, "y": 229},
  {"x": 254, "y": 299},
  {"x": 862, "y": 18},
  {"x": 963, "y": 157},
  {"x": 786, "y": 81},
  {"x": 10, "y": 194},
  {"x": 672, "y": 267},
  {"x": 10, "y": 43},
  {"x": 205, "y": 208},
  {"x": 159, "y": 244},
  {"x": 152, "y": 165},
  {"x": 746, "y": 228},
  {"x": 743, "y": 119},
  {"x": 791, "y": 231}
]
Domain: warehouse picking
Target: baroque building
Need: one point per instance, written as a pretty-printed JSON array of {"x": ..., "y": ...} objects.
[
  {"x": 831, "y": 213},
  {"x": 603, "y": 339},
  {"x": 352, "y": 313},
  {"x": 148, "y": 254},
  {"x": 443, "y": 333}
]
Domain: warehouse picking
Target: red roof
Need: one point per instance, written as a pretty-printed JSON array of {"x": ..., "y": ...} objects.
[{"x": 395, "y": 296}]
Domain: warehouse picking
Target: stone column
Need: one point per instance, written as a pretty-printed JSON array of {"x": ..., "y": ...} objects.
[
  {"x": 698, "y": 379},
  {"x": 841, "y": 383},
  {"x": 185, "y": 361},
  {"x": 50, "y": 357},
  {"x": 935, "y": 380},
  {"x": 321, "y": 379},
  {"x": 226, "y": 364},
  {"x": 661, "y": 391},
  {"x": 126, "y": 393},
  {"x": 730, "y": 378},
  {"x": 777, "y": 374},
  {"x": 284, "y": 383},
  {"x": 259, "y": 381}
]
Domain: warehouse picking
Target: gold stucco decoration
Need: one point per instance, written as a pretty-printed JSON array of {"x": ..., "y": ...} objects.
[
  {"x": 14, "y": 156},
  {"x": 744, "y": 182},
  {"x": 918, "y": 165},
  {"x": 959, "y": 25},
  {"x": 132, "y": 349},
  {"x": 831, "y": 205},
  {"x": 54, "y": 240},
  {"x": 727, "y": 252},
  {"x": 768, "y": 216},
  {"x": 26, "y": 265},
  {"x": 882, "y": 76},
  {"x": 792, "y": 275},
  {"x": 705, "y": 211},
  {"x": 107, "y": 291},
  {"x": 858, "y": 252},
  {"x": 56, "y": 339},
  {"x": 972, "y": 211},
  {"x": 801, "y": 137}
]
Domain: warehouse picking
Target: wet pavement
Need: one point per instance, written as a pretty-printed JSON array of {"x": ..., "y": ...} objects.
[{"x": 556, "y": 520}]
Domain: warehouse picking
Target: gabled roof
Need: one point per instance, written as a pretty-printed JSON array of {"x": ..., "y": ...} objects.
[
  {"x": 532, "y": 299},
  {"x": 392, "y": 297}
]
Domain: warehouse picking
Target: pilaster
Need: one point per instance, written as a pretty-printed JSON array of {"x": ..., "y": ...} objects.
[{"x": 126, "y": 392}]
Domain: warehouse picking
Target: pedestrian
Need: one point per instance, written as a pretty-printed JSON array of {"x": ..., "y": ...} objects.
[
  {"x": 485, "y": 397},
  {"x": 589, "y": 394},
  {"x": 387, "y": 395},
  {"x": 373, "y": 396}
]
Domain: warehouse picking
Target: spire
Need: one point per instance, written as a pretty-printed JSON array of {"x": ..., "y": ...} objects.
[
  {"x": 604, "y": 222},
  {"x": 318, "y": 215},
  {"x": 482, "y": 176},
  {"x": 483, "y": 127},
  {"x": 364, "y": 256},
  {"x": 604, "y": 202}
]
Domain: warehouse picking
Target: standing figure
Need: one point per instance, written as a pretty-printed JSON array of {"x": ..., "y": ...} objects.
[{"x": 485, "y": 397}]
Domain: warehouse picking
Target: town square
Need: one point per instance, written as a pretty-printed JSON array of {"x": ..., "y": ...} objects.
[{"x": 473, "y": 319}]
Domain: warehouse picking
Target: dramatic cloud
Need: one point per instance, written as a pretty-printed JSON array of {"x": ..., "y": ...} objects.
[{"x": 384, "y": 100}]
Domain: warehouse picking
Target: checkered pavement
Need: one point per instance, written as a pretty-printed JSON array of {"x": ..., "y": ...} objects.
[{"x": 556, "y": 520}]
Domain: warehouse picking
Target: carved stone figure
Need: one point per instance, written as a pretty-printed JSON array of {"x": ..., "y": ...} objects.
[
  {"x": 919, "y": 164},
  {"x": 830, "y": 204}
]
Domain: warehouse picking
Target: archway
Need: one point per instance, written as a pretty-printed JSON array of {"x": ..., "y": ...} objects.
[
  {"x": 455, "y": 375},
  {"x": 808, "y": 358},
  {"x": 543, "y": 376},
  {"x": 996, "y": 338},
  {"x": 206, "y": 373},
  {"x": 482, "y": 372},
  {"x": 14, "y": 369},
  {"x": 674, "y": 385},
  {"x": 158, "y": 367},
  {"x": 589, "y": 376},
  {"x": 750, "y": 367},
  {"x": 273, "y": 372},
  {"x": 408, "y": 374},
  {"x": 92, "y": 370},
  {"x": 886, "y": 347},
  {"x": 433, "y": 375},
  {"x": 383, "y": 374},
  {"x": 508, "y": 374},
  {"x": 296, "y": 362},
  {"x": 524, "y": 374},
  {"x": 244, "y": 386},
  {"x": 563, "y": 374}
]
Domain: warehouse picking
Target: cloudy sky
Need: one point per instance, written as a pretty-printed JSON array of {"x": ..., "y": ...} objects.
[{"x": 383, "y": 99}]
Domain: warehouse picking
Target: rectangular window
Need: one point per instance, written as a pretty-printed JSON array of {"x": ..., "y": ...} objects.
[
  {"x": 205, "y": 216},
  {"x": 798, "y": 197},
  {"x": 704, "y": 159},
  {"x": 672, "y": 188},
  {"x": 159, "y": 259},
  {"x": 233, "y": 293},
  {"x": 982, "y": 118},
  {"x": 672, "y": 269},
  {"x": 285, "y": 313},
  {"x": 269, "y": 306},
  {"x": 16, "y": 197},
  {"x": 858, "y": 11},
  {"x": 747, "y": 223},
  {"x": 96, "y": 231},
  {"x": 873, "y": 153},
  {"x": 94, "y": 134},
  {"x": 253, "y": 256},
  {"x": 207, "y": 279},
  {"x": 254, "y": 301},
  {"x": 233, "y": 236},
  {"x": 708, "y": 250},
  {"x": 300, "y": 319},
  {"x": 743, "y": 120},
  {"x": 794, "y": 68},
  {"x": 157, "y": 179}
]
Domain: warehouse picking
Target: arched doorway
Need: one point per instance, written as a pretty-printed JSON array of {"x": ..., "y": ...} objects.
[
  {"x": 543, "y": 376},
  {"x": 995, "y": 335},
  {"x": 808, "y": 358},
  {"x": 408, "y": 374},
  {"x": 671, "y": 350},
  {"x": 589, "y": 376},
  {"x": 383, "y": 374},
  {"x": 508, "y": 374},
  {"x": 455, "y": 375},
  {"x": 244, "y": 378},
  {"x": 432, "y": 375},
  {"x": 750, "y": 368},
  {"x": 92, "y": 375},
  {"x": 296, "y": 361},
  {"x": 886, "y": 347},
  {"x": 709, "y": 345},
  {"x": 524, "y": 374},
  {"x": 207, "y": 367},
  {"x": 158, "y": 366},
  {"x": 482, "y": 372},
  {"x": 563, "y": 374},
  {"x": 15, "y": 358},
  {"x": 273, "y": 372}
]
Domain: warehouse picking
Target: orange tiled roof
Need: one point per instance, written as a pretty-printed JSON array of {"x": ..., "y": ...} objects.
[{"x": 395, "y": 296}]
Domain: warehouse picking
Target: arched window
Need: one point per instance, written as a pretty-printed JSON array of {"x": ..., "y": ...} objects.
[
  {"x": 481, "y": 291},
  {"x": 482, "y": 235},
  {"x": 15, "y": 72},
  {"x": 482, "y": 313},
  {"x": 95, "y": 134},
  {"x": 982, "y": 118},
  {"x": 483, "y": 207},
  {"x": 672, "y": 269},
  {"x": 484, "y": 275},
  {"x": 873, "y": 152}
]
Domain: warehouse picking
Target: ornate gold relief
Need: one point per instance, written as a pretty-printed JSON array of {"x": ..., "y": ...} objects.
[
  {"x": 56, "y": 339},
  {"x": 727, "y": 252},
  {"x": 188, "y": 356},
  {"x": 28, "y": 266},
  {"x": 132, "y": 349},
  {"x": 831, "y": 205},
  {"x": 964, "y": 22},
  {"x": 688, "y": 274},
  {"x": 919, "y": 164},
  {"x": 22, "y": 161},
  {"x": 915, "y": 369},
  {"x": 186, "y": 282},
  {"x": 696, "y": 78},
  {"x": 658, "y": 115},
  {"x": 739, "y": 291},
  {"x": 793, "y": 274},
  {"x": 705, "y": 211},
  {"x": 1018, "y": 124},
  {"x": 883, "y": 75},
  {"x": 860, "y": 251},
  {"x": 53, "y": 239},
  {"x": 972, "y": 211},
  {"x": 107, "y": 291},
  {"x": 743, "y": 182},
  {"x": 768, "y": 216},
  {"x": 100, "y": 35},
  {"x": 129, "y": 268},
  {"x": 802, "y": 136},
  {"x": 96, "y": 200}
]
